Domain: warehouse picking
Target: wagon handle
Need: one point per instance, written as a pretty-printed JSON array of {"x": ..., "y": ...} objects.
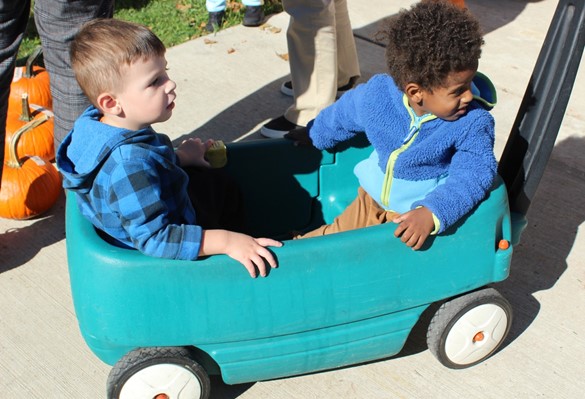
[{"x": 543, "y": 106}]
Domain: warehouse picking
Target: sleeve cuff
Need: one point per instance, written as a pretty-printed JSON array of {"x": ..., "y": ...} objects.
[{"x": 437, "y": 225}]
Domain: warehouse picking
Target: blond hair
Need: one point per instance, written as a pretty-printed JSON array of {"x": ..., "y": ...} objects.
[{"x": 103, "y": 48}]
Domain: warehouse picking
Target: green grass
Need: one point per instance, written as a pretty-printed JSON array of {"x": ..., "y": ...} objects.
[{"x": 174, "y": 21}]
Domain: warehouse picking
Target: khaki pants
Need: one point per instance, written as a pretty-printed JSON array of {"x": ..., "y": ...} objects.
[
  {"x": 362, "y": 212},
  {"x": 322, "y": 55}
]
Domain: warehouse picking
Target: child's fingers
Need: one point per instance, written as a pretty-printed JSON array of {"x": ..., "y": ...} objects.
[
  {"x": 399, "y": 230},
  {"x": 261, "y": 264},
  {"x": 268, "y": 242},
  {"x": 268, "y": 256},
  {"x": 408, "y": 238},
  {"x": 205, "y": 162},
  {"x": 249, "y": 265},
  {"x": 191, "y": 139},
  {"x": 259, "y": 260},
  {"x": 398, "y": 219},
  {"x": 411, "y": 241},
  {"x": 418, "y": 244}
]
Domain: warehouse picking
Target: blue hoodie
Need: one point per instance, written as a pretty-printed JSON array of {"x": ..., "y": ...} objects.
[
  {"x": 129, "y": 184},
  {"x": 445, "y": 166}
]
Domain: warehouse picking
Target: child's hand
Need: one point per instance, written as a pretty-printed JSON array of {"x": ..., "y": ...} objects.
[
  {"x": 300, "y": 136},
  {"x": 249, "y": 251},
  {"x": 191, "y": 152},
  {"x": 414, "y": 227}
]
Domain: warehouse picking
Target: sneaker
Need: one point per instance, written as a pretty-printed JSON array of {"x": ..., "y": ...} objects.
[
  {"x": 215, "y": 21},
  {"x": 254, "y": 16},
  {"x": 277, "y": 128},
  {"x": 286, "y": 87}
]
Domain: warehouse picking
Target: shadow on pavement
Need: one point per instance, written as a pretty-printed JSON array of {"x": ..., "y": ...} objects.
[
  {"x": 495, "y": 14},
  {"x": 553, "y": 222},
  {"x": 20, "y": 245}
]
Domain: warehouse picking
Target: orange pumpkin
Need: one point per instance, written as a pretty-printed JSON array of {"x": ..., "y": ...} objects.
[
  {"x": 32, "y": 80},
  {"x": 37, "y": 141},
  {"x": 30, "y": 186}
]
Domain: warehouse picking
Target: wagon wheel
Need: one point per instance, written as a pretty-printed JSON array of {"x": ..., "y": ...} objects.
[
  {"x": 468, "y": 329},
  {"x": 158, "y": 373}
]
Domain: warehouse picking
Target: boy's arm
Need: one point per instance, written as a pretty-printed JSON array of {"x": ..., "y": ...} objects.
[
  {"x": 134, "y": 195},
  {"x": 471, "y": 174},
  {"x": 249, "y": 251},
  {"x": 340, "y": 121}
]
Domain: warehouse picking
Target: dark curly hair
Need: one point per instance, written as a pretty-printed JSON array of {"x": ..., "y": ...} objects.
[{"x": 429, "y": 41}]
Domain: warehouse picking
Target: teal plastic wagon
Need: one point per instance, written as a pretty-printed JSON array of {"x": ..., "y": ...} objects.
[{"x": 165, "y": 325}]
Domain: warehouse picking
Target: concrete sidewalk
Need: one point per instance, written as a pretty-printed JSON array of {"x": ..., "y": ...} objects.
[{"x": 228, "y": 86}]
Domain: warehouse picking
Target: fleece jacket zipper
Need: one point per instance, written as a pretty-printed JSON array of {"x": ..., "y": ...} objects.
[{"x": 415, "y": 124}]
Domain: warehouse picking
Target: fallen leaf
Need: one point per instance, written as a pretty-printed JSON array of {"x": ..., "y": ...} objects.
[
  {"x": 183, "y": 7},
  {"x": 270, "y": 28},
  {"x": 284, "y": 56},
  {"x": 209, "y": 41},
  {"x": 231, "y": 50},
  {"x": 234, "y": 6}
]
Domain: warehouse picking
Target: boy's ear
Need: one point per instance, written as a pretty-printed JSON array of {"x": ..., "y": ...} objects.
[
  {"x": 108, "y": 104},
  {"x": 414, "y": 93}
]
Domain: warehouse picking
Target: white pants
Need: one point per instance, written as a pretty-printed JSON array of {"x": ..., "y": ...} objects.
[{"x": 322, "y": 54}]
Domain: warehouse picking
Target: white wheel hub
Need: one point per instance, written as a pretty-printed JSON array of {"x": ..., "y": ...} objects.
[
  {"x": 476, "y": 334},
  {"x": 174, "y": 381}
]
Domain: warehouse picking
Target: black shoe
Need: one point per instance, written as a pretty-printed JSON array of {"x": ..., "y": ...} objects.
[
  {"x": 254, "y": 16},
  {"x": 286, "y": 87},
  {"x": 277, "y": 128},
  {"x": 215, "y": 21}
]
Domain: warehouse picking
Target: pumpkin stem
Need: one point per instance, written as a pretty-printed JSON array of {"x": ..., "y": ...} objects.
[
  {"x": 13, "y": 160},
  {"x": 25, "y": 114},
  {"x": 30, "y": 61}
]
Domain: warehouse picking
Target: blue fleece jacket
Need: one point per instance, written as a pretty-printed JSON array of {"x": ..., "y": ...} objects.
[
  {"x": 446, "y": 166},
  {"x": 129, "y": 184}
]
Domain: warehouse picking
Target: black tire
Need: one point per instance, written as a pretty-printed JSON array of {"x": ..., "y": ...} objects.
[
  {"x": 143, "y": 362},
  {"x": 468, "y": 329}
]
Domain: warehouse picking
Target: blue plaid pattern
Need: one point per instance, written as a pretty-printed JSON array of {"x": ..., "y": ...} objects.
[{"x": 130, "y": 185}]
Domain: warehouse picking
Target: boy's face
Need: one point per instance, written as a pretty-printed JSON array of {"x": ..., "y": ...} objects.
[
  {"x": 450, "y": 101},
  {"x": 148, "y": 94}
]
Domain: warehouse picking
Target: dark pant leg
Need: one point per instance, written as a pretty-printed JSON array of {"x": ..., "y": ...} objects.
[
  {"x": 13, "y": 20},
  {"x": 58, "y": 21}
]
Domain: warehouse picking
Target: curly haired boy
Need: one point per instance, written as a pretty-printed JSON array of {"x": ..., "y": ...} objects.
[{"x": 432, "y": 158}]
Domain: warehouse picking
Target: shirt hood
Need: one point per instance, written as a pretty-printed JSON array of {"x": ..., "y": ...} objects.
[{"x": 88, "y": 145}]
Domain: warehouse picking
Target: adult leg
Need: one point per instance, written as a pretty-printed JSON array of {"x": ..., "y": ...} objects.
[
  {"x": 215, "y": 5},
  {"x": 312, "y": 49},
  {"x": 252, "y": 3},
  {"x": 322, "y": 57},
  {"x": 57, "y": 22},
  {"x": 253, "y": 15},
  {"x": 13, "y": 19},
  {"x": 348, "y": 68},
  {"x": 215, "y": 14}
]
